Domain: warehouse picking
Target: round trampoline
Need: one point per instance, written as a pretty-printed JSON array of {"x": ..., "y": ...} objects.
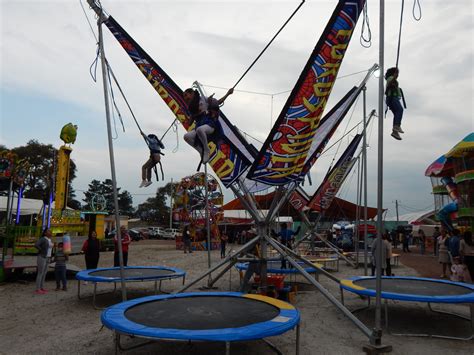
[
  {"x": 415, "y": 289},
  {"x": 274, "y": 267},
  {"x": 209, "y": 316},
  {"x": 131, "y": 274}
]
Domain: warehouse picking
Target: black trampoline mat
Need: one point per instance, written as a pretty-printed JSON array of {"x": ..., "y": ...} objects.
[
  {"x": 132, "y": 273},
  {"x": 415, "y": 287},
  {"x": 276, "y": 265},
  {"x": 201, "y": 312}
]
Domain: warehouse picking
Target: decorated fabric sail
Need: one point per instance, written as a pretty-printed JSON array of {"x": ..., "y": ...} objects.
[
  {"x": 285, "y": 153},
  {"x": 229, "y": 156},
  {"x": 329, "y": 188},
  {"x": 299, "y": 199}
]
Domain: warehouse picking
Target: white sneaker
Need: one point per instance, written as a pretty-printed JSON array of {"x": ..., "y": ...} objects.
[
  {"x": 396, "y": 135},
  {"x": 147, "y": 183},
  {"x": 143, "y": 183},
  {"x": 205, "y": 156}
]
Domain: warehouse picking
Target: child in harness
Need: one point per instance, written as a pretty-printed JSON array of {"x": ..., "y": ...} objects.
[
  {"x": 155, "y": 146},
  {"x": 205, "y": 114}
]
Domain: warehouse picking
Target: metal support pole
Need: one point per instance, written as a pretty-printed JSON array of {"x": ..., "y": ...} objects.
[
  {"x": 208, "y": 226},
  {"x": 171, "y": 204},
  {"x": 111, "y": 155},
  {"x": 364, "y": 170},
  {"x": 378, "y": 284},
  {"x": 263, "y": 256},
  {"x": 250, "y": 244},
  {"x": 9, "y": 199},
  {"x": 357, "y": 224},
  {"x": 367, "y": 332}
]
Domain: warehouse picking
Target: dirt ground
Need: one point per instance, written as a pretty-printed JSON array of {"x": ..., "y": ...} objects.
[{"x": 60, "y": 323}]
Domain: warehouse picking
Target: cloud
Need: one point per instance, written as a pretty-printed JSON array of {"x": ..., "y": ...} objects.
[{"x": 47, "y": 49}]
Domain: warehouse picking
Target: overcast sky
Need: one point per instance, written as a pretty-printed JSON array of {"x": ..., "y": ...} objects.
[{"x": 47, "y": 48}]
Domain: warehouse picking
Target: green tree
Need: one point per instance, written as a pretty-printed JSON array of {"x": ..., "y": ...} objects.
[
  {"x": 105, "y": 189},
  {"x": 125, "y": 202},
  {"x": 40, "y": 180},
  {"x": 156, "y": 209}
]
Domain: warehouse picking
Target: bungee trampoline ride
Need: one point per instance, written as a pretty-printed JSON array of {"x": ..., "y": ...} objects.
[
  {"x": 205, "y": 316},
  {"x": 415, "y": 289},
  {"x": 297, "y": 139},
  {"x": 157, "y": 274}
]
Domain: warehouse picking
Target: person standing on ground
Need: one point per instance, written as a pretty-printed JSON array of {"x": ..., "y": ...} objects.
[
  {"x": 443, "y": 256},
  {"x": 422, "y": 241},
  {"x": 383, "y": 257},
  {"x": 125, "y": 243},
  {"x": 60, "y": 259},
  {"x": 388, "y": 248},
  {"x": 436, "y": 235},
  {"x": 224, "y": 239},
  {"x": 286, "y": 238},
  {"x": 187, "y": 240},
  {"x": 466, "y": 250},
  {"x": 453, "y": 244},
  {"x": 91, "y": 250},
  {"x": 45, "y": 248},
  {"x": 405, "y": 241}
]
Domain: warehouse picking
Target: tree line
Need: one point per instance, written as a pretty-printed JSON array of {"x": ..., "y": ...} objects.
[{"x": 40, "y": 182}]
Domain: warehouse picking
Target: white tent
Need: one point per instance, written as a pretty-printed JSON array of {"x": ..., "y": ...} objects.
[{"x": 28, "y": 206}]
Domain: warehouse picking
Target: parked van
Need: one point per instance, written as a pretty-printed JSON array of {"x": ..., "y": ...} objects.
[
  {"x": 155, "y": 232},
  {"x": 170, "y": 233}
]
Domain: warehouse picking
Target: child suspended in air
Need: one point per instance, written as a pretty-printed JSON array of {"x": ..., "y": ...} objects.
[
  {"x": 155, "y": 146},
  {"x": 205, "y": 113},
  {"x": 393, "y": 98}
]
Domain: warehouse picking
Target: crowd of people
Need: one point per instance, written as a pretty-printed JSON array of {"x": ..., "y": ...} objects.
[{"x": 453, "y": 249}]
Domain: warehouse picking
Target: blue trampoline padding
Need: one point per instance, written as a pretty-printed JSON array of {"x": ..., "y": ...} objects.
[
  {"x": 114, "y": 318},
  {"x": 273, "y": 267},
  {"x": 85, "y": 275},
  {"x": 466, "y": 290}
]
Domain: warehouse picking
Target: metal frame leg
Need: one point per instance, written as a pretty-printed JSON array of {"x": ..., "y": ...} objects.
[{"x": 298, "y": 339}]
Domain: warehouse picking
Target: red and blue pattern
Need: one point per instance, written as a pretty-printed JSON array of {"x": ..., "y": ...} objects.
[{"x": 283, "y": 157}]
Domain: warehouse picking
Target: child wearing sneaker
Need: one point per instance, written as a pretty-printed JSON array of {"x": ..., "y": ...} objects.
[
  {"x": 204, "y": 113},
  {"x": 393, "y": 97},
  {"x": 155, "y": 146},
  {"x": 60, "y": 259}
]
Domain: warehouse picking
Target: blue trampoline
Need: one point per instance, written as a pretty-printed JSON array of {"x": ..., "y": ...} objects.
[
  {"x": 208, "y": 316},
  {"x": 131, "y": 274},
  {"x": 415, "y": 289},
  {"x": 274, "y": 267}
]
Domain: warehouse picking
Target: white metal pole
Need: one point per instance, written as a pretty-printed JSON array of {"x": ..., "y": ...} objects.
[
  {"x": 208, "y": 225},
  {"x": 364, "y": 170},
  {"x": 378, "y": 299},
  {"x": 171, "y": 204},
  {"x": 111, "y": 155}
]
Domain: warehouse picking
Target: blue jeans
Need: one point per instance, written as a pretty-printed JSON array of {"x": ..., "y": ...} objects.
[
  {"x": 396, "y": 107},
  {"x": 60, "y": 275}
]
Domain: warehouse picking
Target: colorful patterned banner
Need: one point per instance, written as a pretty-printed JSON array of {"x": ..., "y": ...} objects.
[
  {"x": 229, "y": 157},
  {"x": 329, "y": 188},
  {"x": 298, "y": 199},
  {"x": 283, "y": 157}
]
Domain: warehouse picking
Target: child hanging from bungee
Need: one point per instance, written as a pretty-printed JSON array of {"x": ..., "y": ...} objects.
[
  {"x": 393, "y": 98},
  {"x": 155, "y": 146},
  {"x": 205, "y": 114}
]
